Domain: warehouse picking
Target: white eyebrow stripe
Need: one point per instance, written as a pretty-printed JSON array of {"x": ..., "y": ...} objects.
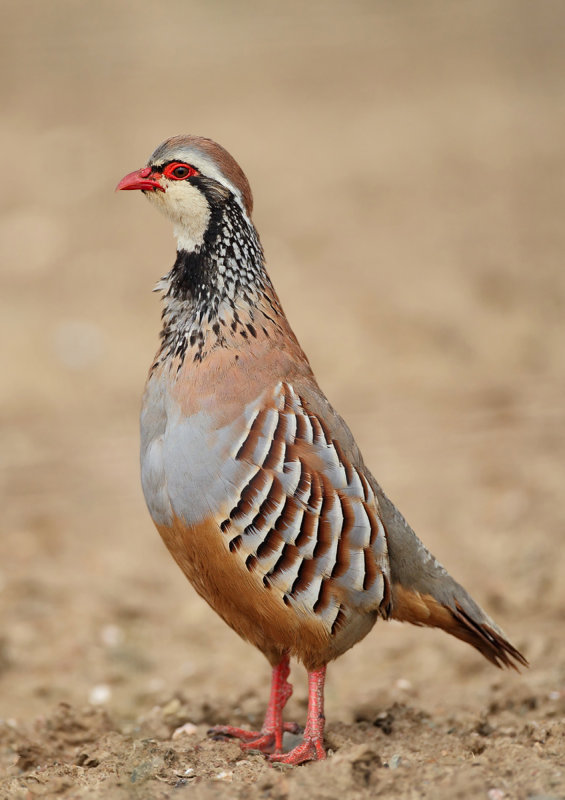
[{"x": 204, "y": 165}]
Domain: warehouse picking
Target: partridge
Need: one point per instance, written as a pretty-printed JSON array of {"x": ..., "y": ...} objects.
[{"x": 254, "y": 482}]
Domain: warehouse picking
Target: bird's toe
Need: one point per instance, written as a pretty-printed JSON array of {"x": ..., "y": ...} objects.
[{"x": 311, "y": 749}]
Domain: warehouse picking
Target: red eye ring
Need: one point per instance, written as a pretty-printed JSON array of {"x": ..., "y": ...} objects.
[{"x": 179, "y": 171}]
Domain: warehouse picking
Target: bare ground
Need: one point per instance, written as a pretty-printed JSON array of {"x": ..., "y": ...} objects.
[{"x": 407, "y": 162}]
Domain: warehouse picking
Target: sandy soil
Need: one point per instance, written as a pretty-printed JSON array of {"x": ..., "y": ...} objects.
[{"x": 407, "y": 161}]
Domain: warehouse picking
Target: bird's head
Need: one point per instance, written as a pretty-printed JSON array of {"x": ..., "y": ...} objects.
[{"x": 190, "y": 179}]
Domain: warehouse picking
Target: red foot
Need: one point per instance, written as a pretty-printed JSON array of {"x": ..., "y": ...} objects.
[
  {"x": 269, "y": 738},
  {"x": 310, "y": 750},
  {"x": 263, "y": 740}
]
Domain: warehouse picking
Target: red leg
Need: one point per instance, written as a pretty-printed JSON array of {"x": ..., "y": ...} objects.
[
  {"x": 312, "y": 748},
  {"x": 269, "y": 738}
]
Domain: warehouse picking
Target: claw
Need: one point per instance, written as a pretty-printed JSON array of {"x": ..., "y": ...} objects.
[
  {"x": 311, "y": 749},
  {"x": 264, "y": 740},
  {"x": 228, "y": 731},
  {"x": 250, "y": 740}
]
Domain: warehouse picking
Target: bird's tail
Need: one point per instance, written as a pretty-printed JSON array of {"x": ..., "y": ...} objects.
[{"x": 424, "y": 593}]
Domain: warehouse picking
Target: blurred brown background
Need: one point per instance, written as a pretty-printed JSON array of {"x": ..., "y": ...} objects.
[{"x": 407, "y": 162}]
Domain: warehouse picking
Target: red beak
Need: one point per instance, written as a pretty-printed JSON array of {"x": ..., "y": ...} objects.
[{"x": 140, "y": 179}]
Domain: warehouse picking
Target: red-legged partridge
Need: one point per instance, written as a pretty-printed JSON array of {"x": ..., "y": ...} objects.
[{"x": 253, "y": 480}]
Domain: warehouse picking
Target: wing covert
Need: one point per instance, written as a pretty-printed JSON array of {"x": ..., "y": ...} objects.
[{"x": 307, "y": 521}]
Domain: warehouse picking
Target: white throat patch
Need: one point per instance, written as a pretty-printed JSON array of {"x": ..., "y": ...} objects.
[{"x": 188, "y": 209}]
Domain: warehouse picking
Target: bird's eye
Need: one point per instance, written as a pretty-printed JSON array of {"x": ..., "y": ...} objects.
[{"x": 178, "y": 171}]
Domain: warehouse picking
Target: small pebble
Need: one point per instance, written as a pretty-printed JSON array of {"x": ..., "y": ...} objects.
[
  {"x": 188, "y": 729},
  {"x": 172, "y": 707},
  {"x": 394, "y": 761},
  {"x": 111, "y": 635},
  {"x": 281, "y": 766},
  {"x": 291, "y": 740},
  {"x": 99, "y": 694}
]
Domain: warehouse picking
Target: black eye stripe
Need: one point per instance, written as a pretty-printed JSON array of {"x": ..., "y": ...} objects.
[{"x": 162, "y": 167}]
